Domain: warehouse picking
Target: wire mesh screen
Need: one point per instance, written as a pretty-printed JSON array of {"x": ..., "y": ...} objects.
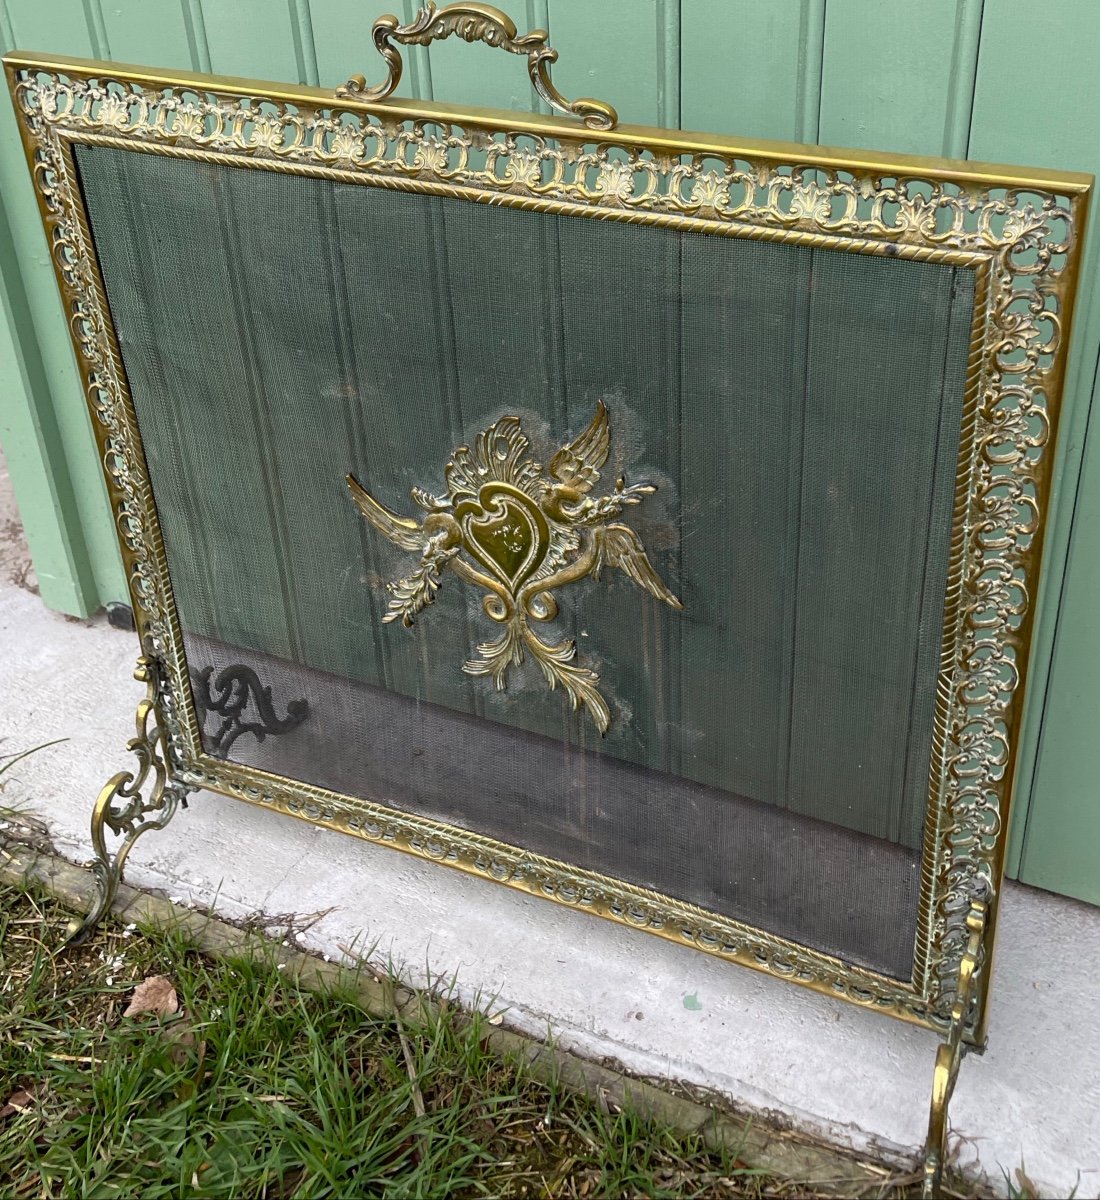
[{"x": 796, "y": 409}]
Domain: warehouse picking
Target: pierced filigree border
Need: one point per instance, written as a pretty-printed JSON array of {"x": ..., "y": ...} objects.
[{"x": 1023, "y": 238}]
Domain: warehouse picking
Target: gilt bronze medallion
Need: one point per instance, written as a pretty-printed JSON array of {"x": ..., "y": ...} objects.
[{"x": 520, "y": 532}]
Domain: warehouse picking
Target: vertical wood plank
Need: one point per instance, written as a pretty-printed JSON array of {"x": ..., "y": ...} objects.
[
  {"x": 163, "y": 35},
  {"x": 305, "y": 47},
  {"x": 32, "y": 442},
  {"x": 252, "y": 38},
  {"x": 135, "y": 260},
  {"x": 460, "y": 72},
  {"x": 860, "y": 707},
  {"x": 610, "y": 52},
  {"x": 897, "y": 77},
  {"x": 745, "y": 66},
  {"x": 196, "y": 34},
  {"x": 739, "y": 527},
  {"x": 811, "y": 61},
  {"x": 35, "y": 452},
  {"x": 400, "y": 662},
  {"x": 343, "y": 47},
  {"x": 888, "y": 72},
  {"x": 1058, "y": 835},
  {"x": 668, "y": 63},
  {"x": 963, "y": 77},
  {"x": 751, "y": 70},
  {"x": 341, "y": 38},
  {"x": 147, "y": 34},
  {"x": 97, "y": 33},
  {"x": 59, "y": 486},
  {"x": 60, "y": 28},
  {"x": 1056, "y": 824},
  {"x": 308, "y": 18},
  {"x": 630, "y": 58}
]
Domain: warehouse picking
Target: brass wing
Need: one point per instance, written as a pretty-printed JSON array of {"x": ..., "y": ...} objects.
[
  {"x": 579, "y": 463},
  {"x": 619, "y": 546},
  {"x": 409, "y": 535}
]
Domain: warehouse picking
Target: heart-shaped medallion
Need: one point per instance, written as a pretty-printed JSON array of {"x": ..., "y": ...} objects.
[{"x": 505, "y": 531}]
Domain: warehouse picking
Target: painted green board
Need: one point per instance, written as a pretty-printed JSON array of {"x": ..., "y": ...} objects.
[
  {"x": 35, "y": 455},
  {"x": 942, "y": 77},
  {"x": 627, "y": 70},
  {"x": 891, "y": 77},
  {"x": 44, "y": 424},
  {"x": 752, "y": 69}
]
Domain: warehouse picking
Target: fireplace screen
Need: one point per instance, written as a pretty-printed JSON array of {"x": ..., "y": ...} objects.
[
  {"x": 675, "y": 564},
  {"x": 746, "y": 721}
]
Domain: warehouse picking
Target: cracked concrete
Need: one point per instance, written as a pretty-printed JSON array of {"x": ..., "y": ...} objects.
[{"x": 661, "y": 1010}]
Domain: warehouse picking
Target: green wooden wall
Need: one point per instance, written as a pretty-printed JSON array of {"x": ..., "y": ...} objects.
[{"x": 986, "y": 79}]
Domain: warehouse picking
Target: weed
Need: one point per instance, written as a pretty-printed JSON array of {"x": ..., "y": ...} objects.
[{"x": 253, "y": 1088}]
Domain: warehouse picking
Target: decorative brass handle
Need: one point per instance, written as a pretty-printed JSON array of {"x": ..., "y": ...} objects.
[{"x": 474, "y": 23}]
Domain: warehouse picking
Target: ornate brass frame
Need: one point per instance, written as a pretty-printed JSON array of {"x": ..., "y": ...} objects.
[{"x": 1019, "y": 230}]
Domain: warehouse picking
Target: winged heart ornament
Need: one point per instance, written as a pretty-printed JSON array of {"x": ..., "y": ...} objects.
[{"x": 520, "y": 533}]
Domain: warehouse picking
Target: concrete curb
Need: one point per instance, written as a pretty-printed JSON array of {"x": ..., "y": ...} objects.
[{"x": 758, "y": 1143}]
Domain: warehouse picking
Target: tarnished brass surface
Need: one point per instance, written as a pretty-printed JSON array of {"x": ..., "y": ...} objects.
[
  {"x": 1020, "y": 230},
  {"x": 132, "y": 802},
  {"x": 474, "y": 23},
  {"x": 950, "y": 1053},
  {"x": 520, "y": 532}
]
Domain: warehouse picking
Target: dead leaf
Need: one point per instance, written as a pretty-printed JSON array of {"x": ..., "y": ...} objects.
[
  {"x": 182, "y": 1041},
  {"x": 1028, "y": 1190},
  {"x": 19, "y": 1101},
  {"x": 157, "y": 995}
]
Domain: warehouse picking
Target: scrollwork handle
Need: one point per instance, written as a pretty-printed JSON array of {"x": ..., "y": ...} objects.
[{"x": 474, "y": 23}]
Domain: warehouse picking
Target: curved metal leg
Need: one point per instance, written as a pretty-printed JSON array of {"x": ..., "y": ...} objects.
[
  {"x": 131, "y": 802},
  {"x": 950, "y": 1055}
]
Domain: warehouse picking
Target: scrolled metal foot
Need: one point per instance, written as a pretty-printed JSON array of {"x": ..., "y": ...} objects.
[
  {"x": 950, "y": 1054},
  {"x": 131, "y": 803}
]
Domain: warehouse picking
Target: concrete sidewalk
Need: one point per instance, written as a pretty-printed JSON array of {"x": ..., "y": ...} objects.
[{"x": 858, "y": 1079}]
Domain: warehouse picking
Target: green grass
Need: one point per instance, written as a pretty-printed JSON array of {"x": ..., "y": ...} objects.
[
  {"x": 257, "y": 1089},
  {"x": 7, "y": 761}
]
